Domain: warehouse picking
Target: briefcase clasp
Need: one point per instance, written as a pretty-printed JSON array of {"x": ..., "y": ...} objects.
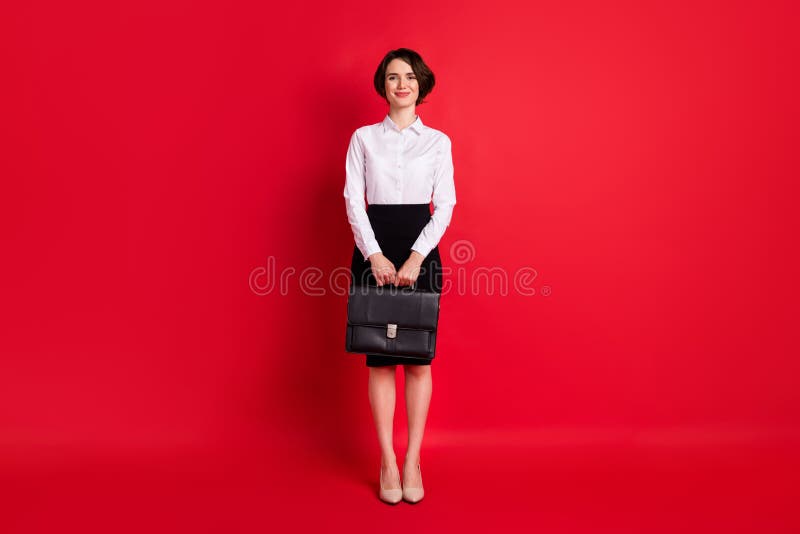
[{"x": 391, "y": 330}]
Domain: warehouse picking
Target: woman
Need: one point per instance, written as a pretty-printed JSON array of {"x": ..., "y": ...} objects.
[{"x": 401, "y": 164}]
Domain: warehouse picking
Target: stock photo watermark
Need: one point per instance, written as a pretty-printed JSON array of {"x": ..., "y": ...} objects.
[{"x": 452, "y": 275}]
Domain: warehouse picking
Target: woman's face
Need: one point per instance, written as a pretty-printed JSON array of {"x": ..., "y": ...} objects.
[{"x": 402, "y": 88}]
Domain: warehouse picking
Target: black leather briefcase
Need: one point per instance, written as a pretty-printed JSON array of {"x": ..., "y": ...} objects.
[{"x": 392, "y": 321}]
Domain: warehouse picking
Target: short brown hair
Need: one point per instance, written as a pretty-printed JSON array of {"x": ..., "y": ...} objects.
[{"x": 425, "y": 77}]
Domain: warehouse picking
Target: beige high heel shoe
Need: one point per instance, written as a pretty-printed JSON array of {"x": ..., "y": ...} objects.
[
  {"x": 414, "y": 495},
  {"x": 392, "y": 496}
]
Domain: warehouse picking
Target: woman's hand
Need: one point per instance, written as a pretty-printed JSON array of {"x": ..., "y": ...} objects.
[
  {"x": 382, "y": 269},
  {"x": 409, "y": 272}
]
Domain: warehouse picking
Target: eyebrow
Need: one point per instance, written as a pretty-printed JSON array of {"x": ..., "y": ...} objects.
[{"x": 390, "y": 73}]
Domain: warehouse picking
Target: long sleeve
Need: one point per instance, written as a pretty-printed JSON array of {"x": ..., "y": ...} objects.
[
  {"x": 444, "y": 199},
  {"x": 354, "y": 190}
]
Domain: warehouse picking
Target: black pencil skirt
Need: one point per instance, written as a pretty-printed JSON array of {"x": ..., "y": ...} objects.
[{"x": 397, "y": 227}]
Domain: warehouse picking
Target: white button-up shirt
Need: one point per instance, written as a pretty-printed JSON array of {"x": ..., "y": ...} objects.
[{"x": 394, "y": 166}]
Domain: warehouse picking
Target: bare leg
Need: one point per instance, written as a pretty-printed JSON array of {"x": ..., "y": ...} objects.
[
  {"x": 382, "y": 400},
  {"x": 419, "y": 386}
]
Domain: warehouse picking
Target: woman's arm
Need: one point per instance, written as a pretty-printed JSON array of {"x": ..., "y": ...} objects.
[
  {"x": 444, "y": 199},
  {"x": 354, "y": 189}
]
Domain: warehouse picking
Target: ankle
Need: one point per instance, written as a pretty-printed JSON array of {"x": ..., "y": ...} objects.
[{"x": 389, "y": 461}]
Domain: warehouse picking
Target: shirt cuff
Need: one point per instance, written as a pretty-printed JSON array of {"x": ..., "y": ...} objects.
[
  {"x": 422, "y": 249},
  {"x": 372, "y": 248}
]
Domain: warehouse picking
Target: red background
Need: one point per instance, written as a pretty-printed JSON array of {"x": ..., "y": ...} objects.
[{"x": 641, "y": 158}]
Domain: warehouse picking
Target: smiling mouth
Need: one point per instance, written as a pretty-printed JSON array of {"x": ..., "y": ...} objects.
[{"x": 402, "y": 94}]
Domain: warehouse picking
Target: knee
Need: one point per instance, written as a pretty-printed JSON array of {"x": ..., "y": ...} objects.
[{"x": 417, "y": 371}]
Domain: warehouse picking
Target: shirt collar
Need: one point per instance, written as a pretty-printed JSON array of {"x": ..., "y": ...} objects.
[{"x": 416, "y": 126}]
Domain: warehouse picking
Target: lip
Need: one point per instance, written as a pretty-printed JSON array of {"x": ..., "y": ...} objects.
[{"x": 401, "y": 95}]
